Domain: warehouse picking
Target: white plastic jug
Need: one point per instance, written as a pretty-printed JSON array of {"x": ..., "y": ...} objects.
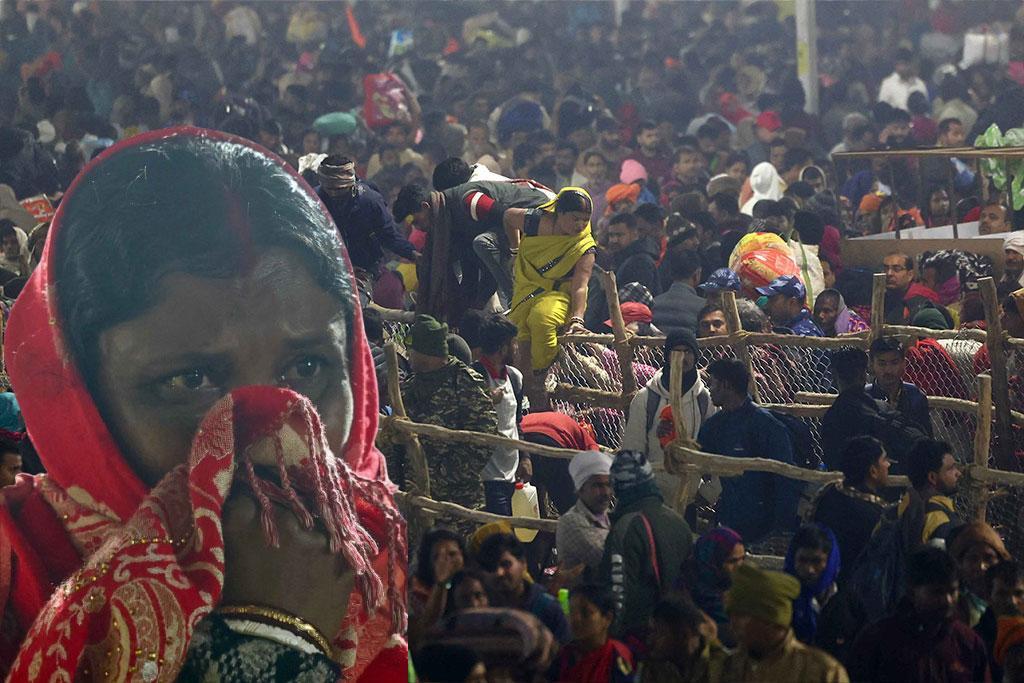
[{"x": 525, "y": 504}]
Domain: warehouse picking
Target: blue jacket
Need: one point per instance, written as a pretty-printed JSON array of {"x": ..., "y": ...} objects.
[
  {"x": 755, "y": 503},
  {"x": 804, "y": 326},
  {"x": 365, "y": 226}
]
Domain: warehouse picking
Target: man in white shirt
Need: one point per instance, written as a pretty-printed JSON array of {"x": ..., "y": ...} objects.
[
  {"x": 897, "y": 86},
  {"x": 505, "y": 385}
]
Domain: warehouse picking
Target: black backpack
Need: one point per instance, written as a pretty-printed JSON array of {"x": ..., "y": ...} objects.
[
  {"x": 802, "y": 439},
  {"x": 878, "y": 576}
]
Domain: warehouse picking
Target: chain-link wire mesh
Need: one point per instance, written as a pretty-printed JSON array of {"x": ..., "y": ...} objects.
[
  {"x": 395, "y": 333},
  {"x": 594, "y": 366}
]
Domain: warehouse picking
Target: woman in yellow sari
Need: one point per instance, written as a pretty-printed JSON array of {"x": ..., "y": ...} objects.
[{"x": 554, "y": 254}]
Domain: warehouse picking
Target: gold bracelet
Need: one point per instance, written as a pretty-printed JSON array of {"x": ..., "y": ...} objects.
[{"x": 289, "y": 622}]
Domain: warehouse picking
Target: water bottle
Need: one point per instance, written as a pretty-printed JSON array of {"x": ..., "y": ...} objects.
[{"x": 524, "y": 504}]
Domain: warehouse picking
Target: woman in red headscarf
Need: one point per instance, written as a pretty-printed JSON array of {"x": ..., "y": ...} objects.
[{"x": 188, "y": 358}]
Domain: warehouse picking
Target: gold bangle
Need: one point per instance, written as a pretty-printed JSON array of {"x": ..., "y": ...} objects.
[{"x": 289, "y": 622}]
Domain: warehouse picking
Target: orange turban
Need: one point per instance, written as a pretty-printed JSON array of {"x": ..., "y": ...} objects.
[{"x": 621, "y": 193}]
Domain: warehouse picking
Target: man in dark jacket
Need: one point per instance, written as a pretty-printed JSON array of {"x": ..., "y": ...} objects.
[
  {"x": 851, "y": 509},
  {"x": 888, "y": 365},
  {"x": 923, "y": 640},
  {"x": 677, "y": 308},
  {"x": 646, "y": 547},
  {"x": 755, "y": 503},
  {"x": 856, "y": 413},
  {"x": 361, "y": 214},
  {"x": 633, "y": 259}
]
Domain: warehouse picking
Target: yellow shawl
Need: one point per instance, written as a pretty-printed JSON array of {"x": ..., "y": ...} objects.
[{"x": 544, "y": 261}]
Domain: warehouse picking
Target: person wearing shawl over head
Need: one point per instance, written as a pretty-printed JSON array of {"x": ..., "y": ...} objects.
[
  {"x": 708, "y": 572},
  {"x": 194, "y": 374},
  {"x": 813, "y": 558},
  {"x": 554, "y": 257},
  {"x": 834, "y": 317}
]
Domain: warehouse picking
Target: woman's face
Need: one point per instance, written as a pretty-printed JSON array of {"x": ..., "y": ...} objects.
[
  {"x": 161, "y": 372},
  {"x": 571, "y": 223},
  {"x": 448, "y": 552},
  {"x": 732, "y": 562},
  {"x": 938, "y": 204}
]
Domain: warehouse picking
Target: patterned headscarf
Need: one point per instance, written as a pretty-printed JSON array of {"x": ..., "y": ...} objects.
[
  {"x": 344, "y": 175},
  {"x": 138, "y": 567}
]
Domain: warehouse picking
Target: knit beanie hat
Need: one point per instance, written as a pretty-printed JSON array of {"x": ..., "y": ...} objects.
[
  {"x": 430, "y": 337},
  {"x": 682, "y": 337},
  {"x": 763, "y": 594},
  {"x": 632, "y": 477}
]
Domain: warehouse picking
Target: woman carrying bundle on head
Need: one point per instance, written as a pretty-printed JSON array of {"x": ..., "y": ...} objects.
[{"x": 554, "y": 254}]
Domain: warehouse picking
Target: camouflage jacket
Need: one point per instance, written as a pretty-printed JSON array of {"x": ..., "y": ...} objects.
[{"x": 454, "y": 397}]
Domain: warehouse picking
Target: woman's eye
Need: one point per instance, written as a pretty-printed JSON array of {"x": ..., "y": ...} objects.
[
  {"x": 304, "y": 368},
  {"x": 191, "y": 380}
]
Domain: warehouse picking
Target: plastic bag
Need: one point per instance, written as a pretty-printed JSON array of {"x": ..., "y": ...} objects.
[
  {"x": 759, "y": 268},
  {"x": 757, "y": 241},
  {"x": 385, "y": 100}
]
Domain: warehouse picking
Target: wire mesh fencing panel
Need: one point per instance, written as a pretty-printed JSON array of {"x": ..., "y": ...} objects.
[
  {"x": 396, "y": 333},
  {"x": 1004, "y": 510},
  {"x": 709, "y": 354},
  {"x": 593, "y": 366},
  {"x": 963, "y": 353},
  {"x": 957, "y": 428},
  {"x": 942, "y": 369},
  {"x": 781, "y": 371},
  {"x": 649, "y": 355}
]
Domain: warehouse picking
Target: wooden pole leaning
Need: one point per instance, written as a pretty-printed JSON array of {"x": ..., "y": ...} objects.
[
  {"x": 734, "y": 326},
  {"x": 877, "y": 306},
  {"x": 982, "y": 443},
  {"x": 623, "y": 349},
  {"x": 417, "y": 472},
  {"x": 1003, "y": 454}
]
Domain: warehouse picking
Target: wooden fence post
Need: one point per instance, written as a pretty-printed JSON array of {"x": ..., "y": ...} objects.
[
  {"x": 623, "y": 349},
  {"x": 689, "y": 481},
  {"x": 1000, "y": 383},
  {"x": 417, "y": 475},
  {"x": 733, "y": 325},
  {"x": 982, "y": 442},
  {"x": 877, "y": 306}
]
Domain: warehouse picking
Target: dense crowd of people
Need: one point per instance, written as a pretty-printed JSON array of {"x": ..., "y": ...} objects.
[{"x": 487, "y": 166}]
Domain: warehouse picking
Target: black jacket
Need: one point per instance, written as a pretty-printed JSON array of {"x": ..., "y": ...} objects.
[{"x": 366, "y": 225}]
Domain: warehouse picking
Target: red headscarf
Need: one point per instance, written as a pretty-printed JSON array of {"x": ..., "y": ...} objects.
[{"x": 93, "y": 525}]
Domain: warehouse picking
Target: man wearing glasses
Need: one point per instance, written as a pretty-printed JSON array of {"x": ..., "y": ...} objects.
[{"x": 904, "y": 297}]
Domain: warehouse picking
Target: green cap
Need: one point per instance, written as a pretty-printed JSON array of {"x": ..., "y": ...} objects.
[
  {"x": 763, "y": 594},
  {"x": 429, "y": 337}
]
